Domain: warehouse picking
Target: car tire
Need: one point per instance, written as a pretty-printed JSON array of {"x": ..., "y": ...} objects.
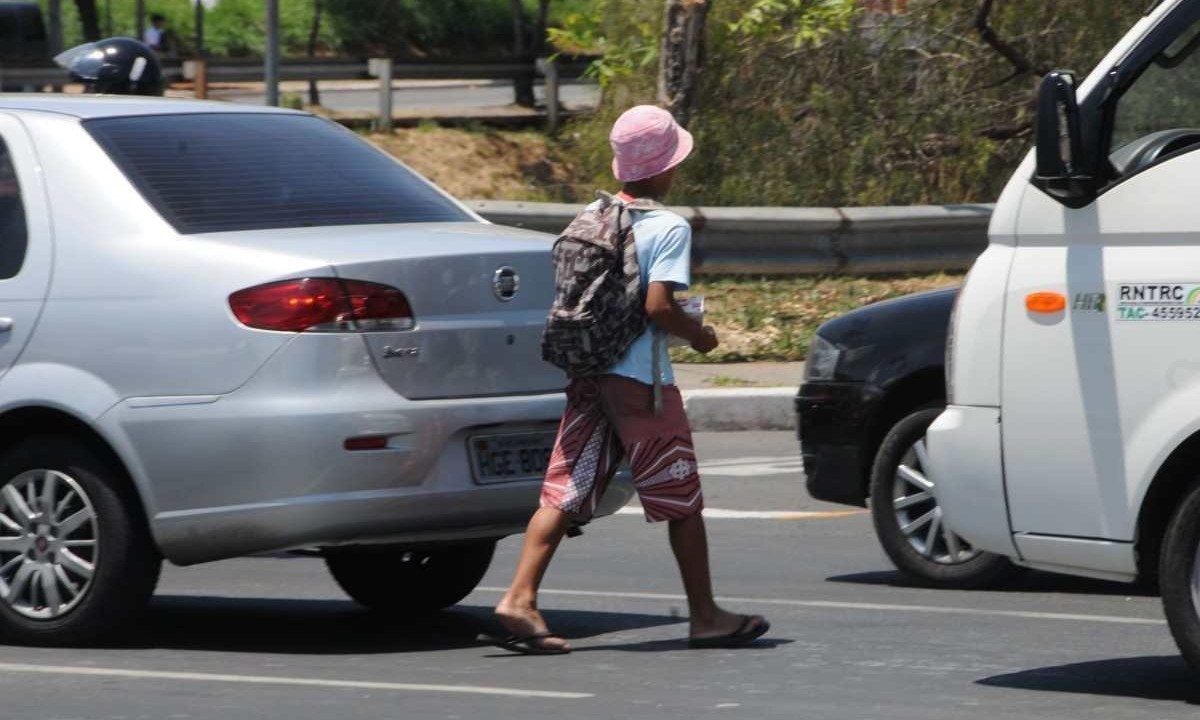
[
  {"x": 908, "y": 520},
  {"x": 389, "y": 578},
  {"x": 1179, "y": 576},
  {"x": 77, "y": 561}
]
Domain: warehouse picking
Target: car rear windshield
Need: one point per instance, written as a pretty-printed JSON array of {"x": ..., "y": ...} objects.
[{"x": 216, "y": 172}]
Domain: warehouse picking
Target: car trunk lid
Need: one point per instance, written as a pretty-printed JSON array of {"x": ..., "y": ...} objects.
[{"x": 479, "y": 292}]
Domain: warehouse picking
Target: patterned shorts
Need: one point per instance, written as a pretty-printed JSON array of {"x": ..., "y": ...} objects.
[{"x": 612, "y": 417}]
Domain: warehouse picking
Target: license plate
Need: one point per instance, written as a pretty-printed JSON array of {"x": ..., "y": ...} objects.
[{"x": 510, "y": 458}]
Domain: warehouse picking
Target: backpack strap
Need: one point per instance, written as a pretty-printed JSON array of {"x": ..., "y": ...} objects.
[
  {"x": 644, "y": 204},
  {"x": 656, "y": 370}
]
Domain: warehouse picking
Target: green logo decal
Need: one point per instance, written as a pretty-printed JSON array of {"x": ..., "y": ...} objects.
[{"x": 1089, "y": 302}]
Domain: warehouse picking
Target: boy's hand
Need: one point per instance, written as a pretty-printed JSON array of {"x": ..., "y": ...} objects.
[{"x": 706, "y": 341}]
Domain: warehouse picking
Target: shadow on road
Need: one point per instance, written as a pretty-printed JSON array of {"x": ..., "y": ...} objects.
[
  {"x": 338, "y": 627},
  {"x": 1030, "y": 581},
  {"x": 659, "y": 646},
  {"x": 1145, "y": 678}
]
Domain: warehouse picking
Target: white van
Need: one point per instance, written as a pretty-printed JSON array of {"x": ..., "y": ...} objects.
[{"x": 1072, "y": 437}]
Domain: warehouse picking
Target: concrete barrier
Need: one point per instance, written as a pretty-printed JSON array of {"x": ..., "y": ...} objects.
[
  {"x": 801, "y": 240},
  {"x": 740, "y": 409}
]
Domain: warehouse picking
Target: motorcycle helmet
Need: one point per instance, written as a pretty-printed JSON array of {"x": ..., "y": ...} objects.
[{"x": 115, "y": 66}]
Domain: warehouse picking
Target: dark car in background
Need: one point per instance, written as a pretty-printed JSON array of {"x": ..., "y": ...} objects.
[
  {"x": 22, "y": 33},
  {"x": 23, "y": 40},
  {"x": 874, "y": 382}
]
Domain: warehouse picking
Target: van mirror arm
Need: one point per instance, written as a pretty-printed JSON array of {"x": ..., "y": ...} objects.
[{"x": 1065, "y": 169}]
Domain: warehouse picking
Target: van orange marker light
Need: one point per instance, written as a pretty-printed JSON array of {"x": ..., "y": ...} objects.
[{"x": 1045, "y": 302}]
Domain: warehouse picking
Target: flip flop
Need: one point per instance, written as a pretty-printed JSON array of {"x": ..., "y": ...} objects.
[
  {"x": 529, "y": 644},
  {"x": 746, "y": 633}
]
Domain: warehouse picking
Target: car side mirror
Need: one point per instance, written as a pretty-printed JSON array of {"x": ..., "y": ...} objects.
[{"x": 1063, "y": 168}]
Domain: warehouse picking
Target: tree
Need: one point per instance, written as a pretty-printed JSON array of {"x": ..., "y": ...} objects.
[
  {"x": 540, "y": 26},
  {"x": 54, "y": 27},
  {"x": 314, "y": 33},
  {"x": 1020, "y": 64},
  {"x": 523, "y": 84},
  {"x": 89, "y": 18},
  {"x": 841, "y": 102},
  {"x": 682, "y": 56},
  {"x": 526, "y": 49}
]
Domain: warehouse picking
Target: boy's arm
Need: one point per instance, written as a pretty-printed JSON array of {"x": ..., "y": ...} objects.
[{"x": 666, "y": 314}]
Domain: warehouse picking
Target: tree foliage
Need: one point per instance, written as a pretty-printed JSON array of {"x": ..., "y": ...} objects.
[
  {"x": 400, "y": 28},
  {"x": 820, "y": 102},
  {"x": 802, "y": 23}
]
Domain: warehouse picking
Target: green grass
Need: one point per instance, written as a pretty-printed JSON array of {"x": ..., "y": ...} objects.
[
  {"x": 774, "y": 318},
  {"x": 727, "y": 381}
]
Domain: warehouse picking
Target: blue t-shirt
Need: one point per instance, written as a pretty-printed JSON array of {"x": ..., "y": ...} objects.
[{"x": 664, "y": 248}]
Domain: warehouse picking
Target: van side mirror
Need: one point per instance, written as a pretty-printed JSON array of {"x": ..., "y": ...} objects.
[{"x": 1063, "y": 168}]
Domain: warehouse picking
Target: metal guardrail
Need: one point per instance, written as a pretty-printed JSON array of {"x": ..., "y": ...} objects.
[
  {"x": 802, "y": 241},
  {"x": 202, "y": 73},
  {"x": 337, "y": 69}
]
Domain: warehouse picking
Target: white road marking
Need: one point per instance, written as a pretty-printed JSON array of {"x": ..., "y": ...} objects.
[
  {"x": 270, "y": 680},
  {"x": 753, "y": 466},
  {"x": 721, "y": 514},
  {"x": 828, "y": 604}
]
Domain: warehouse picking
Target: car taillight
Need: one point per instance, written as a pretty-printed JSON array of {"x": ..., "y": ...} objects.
[
  {"x": 322, "y": 305},
  {"x": 377, "y": 307}
]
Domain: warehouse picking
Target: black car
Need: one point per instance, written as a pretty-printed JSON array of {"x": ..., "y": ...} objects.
[
  {"x": 23, "y": 40},
  {"x": 22, "y": 33},
  {"x": 874, "y": 382}
]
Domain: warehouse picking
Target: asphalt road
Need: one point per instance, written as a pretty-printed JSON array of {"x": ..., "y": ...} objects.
[
  {"x": 274, "y": 638},
  {"x": 411, "y": 99}
]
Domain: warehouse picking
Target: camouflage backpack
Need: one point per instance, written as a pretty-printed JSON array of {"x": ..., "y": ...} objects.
[{"x": 599, "y": 307}]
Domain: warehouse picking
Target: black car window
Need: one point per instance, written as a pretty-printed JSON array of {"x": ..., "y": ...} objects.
[
  {"x": 217, "y": 172},
  {"x": 14, "y": 236}
]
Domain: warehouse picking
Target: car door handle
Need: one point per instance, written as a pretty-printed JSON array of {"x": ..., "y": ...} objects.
[{"x": 6, "y": 324}]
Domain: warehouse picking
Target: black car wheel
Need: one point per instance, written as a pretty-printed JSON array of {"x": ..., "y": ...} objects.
[
  {"x": 910, "y": 523},
  {"x": 397, "y": 579},
  {"x": 1179, "y": 576},
  {"x": 77, "y": 563}
]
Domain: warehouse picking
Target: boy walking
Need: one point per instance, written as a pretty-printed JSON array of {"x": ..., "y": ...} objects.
[{"x": 629, "y": 412}]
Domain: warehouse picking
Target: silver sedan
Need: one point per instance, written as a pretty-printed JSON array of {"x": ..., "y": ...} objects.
[{"x": 232, "y": 330}]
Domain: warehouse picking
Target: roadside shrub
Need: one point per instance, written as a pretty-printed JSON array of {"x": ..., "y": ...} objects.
[
  {"x": 234, "y": 28},
  {"x": 820, "y": 102},
  {"x": 399, "y": 28}
]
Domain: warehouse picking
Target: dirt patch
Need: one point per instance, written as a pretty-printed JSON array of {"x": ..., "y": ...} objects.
[{"x": 484, "y": 163}]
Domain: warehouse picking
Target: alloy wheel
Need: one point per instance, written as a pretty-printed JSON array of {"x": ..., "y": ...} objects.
[
  {"x": 919, "y": 515},
  {"x": 49, "y": 544}
]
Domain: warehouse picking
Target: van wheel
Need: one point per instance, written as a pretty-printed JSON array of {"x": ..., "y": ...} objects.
[
  {"x": 77, "y": 563},
  {"x": 397, "y": 579},
  {"x": 1179, "y": 576},
  {"x": 909, "y": 522}
]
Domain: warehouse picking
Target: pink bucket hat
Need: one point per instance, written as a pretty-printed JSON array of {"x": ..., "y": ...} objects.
[{"x": 646, "y": 141}]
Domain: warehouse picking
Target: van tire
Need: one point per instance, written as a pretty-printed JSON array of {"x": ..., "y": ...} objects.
[
  {"x": 981, "y": 570},
  {"x": 126, "y": 563},
  {"x": 1178, "y": 572},
  {"x": 391, "y": 578}
]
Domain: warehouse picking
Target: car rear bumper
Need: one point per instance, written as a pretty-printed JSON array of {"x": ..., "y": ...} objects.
[
  {"x": 835, "y": 439},
  {"x": 265, "y": 468}
]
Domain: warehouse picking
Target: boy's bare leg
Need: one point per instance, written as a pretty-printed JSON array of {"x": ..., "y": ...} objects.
[
  {"x": 517, "y": 610},
  {"x": 689, "y": 541}
]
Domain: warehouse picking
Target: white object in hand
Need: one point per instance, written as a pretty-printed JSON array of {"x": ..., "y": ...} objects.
[{"x": 694, "y": 308}]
